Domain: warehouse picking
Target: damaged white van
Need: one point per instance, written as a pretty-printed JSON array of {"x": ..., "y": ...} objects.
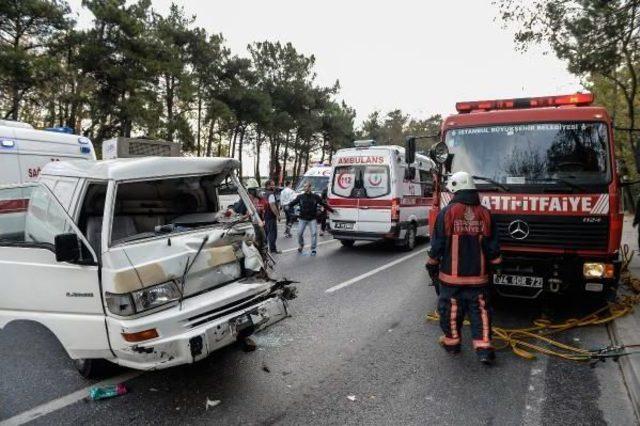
[{"x": 134, "y": 261}]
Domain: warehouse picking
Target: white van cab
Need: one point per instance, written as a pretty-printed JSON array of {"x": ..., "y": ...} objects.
[
  {"x": 132, "y": 261},
  {"x": 24, "y": 151},
  {"x": 377, "y": 196}
]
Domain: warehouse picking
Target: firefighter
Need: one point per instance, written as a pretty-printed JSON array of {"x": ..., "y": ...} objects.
[{"x": 464, "y": 245}]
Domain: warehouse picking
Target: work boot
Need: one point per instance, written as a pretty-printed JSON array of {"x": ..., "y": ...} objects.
[
  {"x": 452, "y": 349},
  {"x": 485, "y": 356},
  {"x": 300, "y": 249}
]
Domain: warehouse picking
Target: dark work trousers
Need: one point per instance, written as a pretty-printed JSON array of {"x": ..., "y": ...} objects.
[
  {"x": 288, "y": 214},
  {"x": 454, "y": 303},
  {"x": 271, "y": 229}
]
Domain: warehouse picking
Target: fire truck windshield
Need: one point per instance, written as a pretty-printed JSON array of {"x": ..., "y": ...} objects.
[{"x": 568, "y": 153}]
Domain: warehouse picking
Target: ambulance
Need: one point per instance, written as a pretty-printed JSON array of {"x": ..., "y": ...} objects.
[
  {"x": 24, "y": 151},
  {"x": 377, "y": 195},
  {"x": 318, "y": 177}
]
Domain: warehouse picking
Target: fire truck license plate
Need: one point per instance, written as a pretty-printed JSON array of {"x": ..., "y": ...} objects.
[
  {"x": 518, "y": 280},
  {"x": 343, "y": 225}
]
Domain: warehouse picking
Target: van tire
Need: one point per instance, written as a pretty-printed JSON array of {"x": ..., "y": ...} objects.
[
  {"x": 91, "y": 368},
  {"x": 347, "y": 243},
  {"x": 409, "y": 242}
]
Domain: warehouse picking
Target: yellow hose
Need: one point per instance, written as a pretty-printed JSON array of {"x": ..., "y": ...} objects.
[{"x": 526, "y": 342}]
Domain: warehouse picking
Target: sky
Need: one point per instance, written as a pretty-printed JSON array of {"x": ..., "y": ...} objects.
[{"x": 417, "y": 55}]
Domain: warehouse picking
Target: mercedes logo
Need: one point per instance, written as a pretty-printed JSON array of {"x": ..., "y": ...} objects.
[{"x": 518, "y": 229}]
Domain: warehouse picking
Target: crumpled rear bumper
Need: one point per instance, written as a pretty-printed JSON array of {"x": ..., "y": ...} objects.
[{"x": 193, "y": 332}]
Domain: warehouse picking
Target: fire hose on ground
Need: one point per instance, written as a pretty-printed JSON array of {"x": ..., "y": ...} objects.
[{"x": 539, "y": 338}]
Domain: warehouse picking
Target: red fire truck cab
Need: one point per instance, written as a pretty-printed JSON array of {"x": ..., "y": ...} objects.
[{"x": 545, "y": 168}]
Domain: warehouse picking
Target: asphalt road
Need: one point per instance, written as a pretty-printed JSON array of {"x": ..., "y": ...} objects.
[{"x": 360, "y": 354}]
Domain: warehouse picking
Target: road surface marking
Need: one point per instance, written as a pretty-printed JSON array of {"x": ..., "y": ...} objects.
[
  {"x": 64, "y": 401},
  {"x": 320, "y": 243},
  {"x": 535, "y": 398},
  {"x": 373, "y": 271}
]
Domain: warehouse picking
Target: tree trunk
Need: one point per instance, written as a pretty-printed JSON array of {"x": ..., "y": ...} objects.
[
  {"x": 285, "y": 158},
  {"x": 233, "y": 143},
  {"x": 256, "y": 169},
  {"x": 169, "y": 100},
  {"x": 200, "y": 121},
  {"x": 244, "y": 129},
  {"x": 210, "y": 137}
]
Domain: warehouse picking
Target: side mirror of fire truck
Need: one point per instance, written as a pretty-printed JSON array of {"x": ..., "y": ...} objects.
[{"x": 410, "y": 150}]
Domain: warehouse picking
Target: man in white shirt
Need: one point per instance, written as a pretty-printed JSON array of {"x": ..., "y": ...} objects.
[{"x": 287, "y": 195}]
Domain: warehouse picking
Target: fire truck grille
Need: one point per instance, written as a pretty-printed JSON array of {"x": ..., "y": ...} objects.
[{"x": 577, "y": 233}]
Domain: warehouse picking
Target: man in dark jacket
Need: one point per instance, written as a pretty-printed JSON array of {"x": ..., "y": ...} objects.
[
  {"x": 271, "y": 216},
  {"x": 309, "y": 203},
  {"x": 463, "y": 246}
]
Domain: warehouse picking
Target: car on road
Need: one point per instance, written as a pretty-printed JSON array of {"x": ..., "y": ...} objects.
[{"x": 134, "y": 261}]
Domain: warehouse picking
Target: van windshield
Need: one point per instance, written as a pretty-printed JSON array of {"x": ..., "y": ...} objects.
[
  {"x": 164, "y": 206},
  {"x": 361, "y": 181}
]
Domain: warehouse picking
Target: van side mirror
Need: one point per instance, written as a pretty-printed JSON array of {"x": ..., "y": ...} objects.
[
  {"x": 410, "y": 150},
  {"x": 67, "y": 248}
]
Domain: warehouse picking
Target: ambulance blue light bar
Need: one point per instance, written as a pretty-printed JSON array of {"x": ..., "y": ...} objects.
[
  {"x": 7, "y": 143},
  {"x": 577, "y": 99}
]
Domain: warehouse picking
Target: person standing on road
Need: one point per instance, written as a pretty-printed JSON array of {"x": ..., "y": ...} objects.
[
  {"x": 308, "y": 202},
  {"x": 271, "y": 216},
  {"x": 464, "y": 243},
  {"x": 322, "y": 214},
  {"x": 286, "y": 197}
]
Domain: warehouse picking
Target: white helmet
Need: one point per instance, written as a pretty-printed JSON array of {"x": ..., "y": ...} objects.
[{"x": 459, "y": 181}]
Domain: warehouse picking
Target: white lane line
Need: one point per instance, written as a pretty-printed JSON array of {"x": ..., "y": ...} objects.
[
  {"x": 57, "y": 404},
  {"x": 320, "y": 243},
  {"x": 373, "y": 271}
]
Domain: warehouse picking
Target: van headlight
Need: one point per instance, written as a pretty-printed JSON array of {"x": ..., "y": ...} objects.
[{"x": 142, "y": 300}]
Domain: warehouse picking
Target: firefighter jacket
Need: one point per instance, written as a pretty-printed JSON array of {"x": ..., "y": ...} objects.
[{"x": 464, "y": 241}]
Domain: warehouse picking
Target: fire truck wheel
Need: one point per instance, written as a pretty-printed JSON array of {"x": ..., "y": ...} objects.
[
  {"x": 409, "y": 242},
  {"x": 91, "y": 368},
  {"x": 347, "y": 243}
]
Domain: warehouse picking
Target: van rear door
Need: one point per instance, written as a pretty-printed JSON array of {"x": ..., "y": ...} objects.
[
  {"x": 374, "y": 204},
  {"x": 361, "y": 195},
  {"x": 342, "y": 200}
]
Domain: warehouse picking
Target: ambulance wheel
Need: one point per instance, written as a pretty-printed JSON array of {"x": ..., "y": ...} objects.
[
  {"x": 409, "y": 242},
  {"x": 347, "y": 243},
  {"x": 91, "y": 368}
]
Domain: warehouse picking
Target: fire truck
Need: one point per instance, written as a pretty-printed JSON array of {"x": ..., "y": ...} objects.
[{"x": 545, "y": 168}]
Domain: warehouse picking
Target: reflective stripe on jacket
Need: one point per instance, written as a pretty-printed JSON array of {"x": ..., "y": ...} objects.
[{"x": 464, "y": 241}]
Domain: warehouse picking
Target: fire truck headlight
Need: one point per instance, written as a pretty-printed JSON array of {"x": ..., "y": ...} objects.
[{"x": 598, "y": 270}]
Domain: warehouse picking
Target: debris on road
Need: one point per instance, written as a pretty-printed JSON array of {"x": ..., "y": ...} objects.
[
  {"x": 211, "y": 403},
  {"x": 105, "y": 392},
  {"x": 249, "y": 345},
  {"x": 266, "y": 368},
  {"x": 351, "y": 398}
]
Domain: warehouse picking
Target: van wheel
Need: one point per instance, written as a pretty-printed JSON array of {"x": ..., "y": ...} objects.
[
  {"x": 347, "y": 243},
  {"x": 409, "y": 242},
  {"x": 91, "y": 368}
]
